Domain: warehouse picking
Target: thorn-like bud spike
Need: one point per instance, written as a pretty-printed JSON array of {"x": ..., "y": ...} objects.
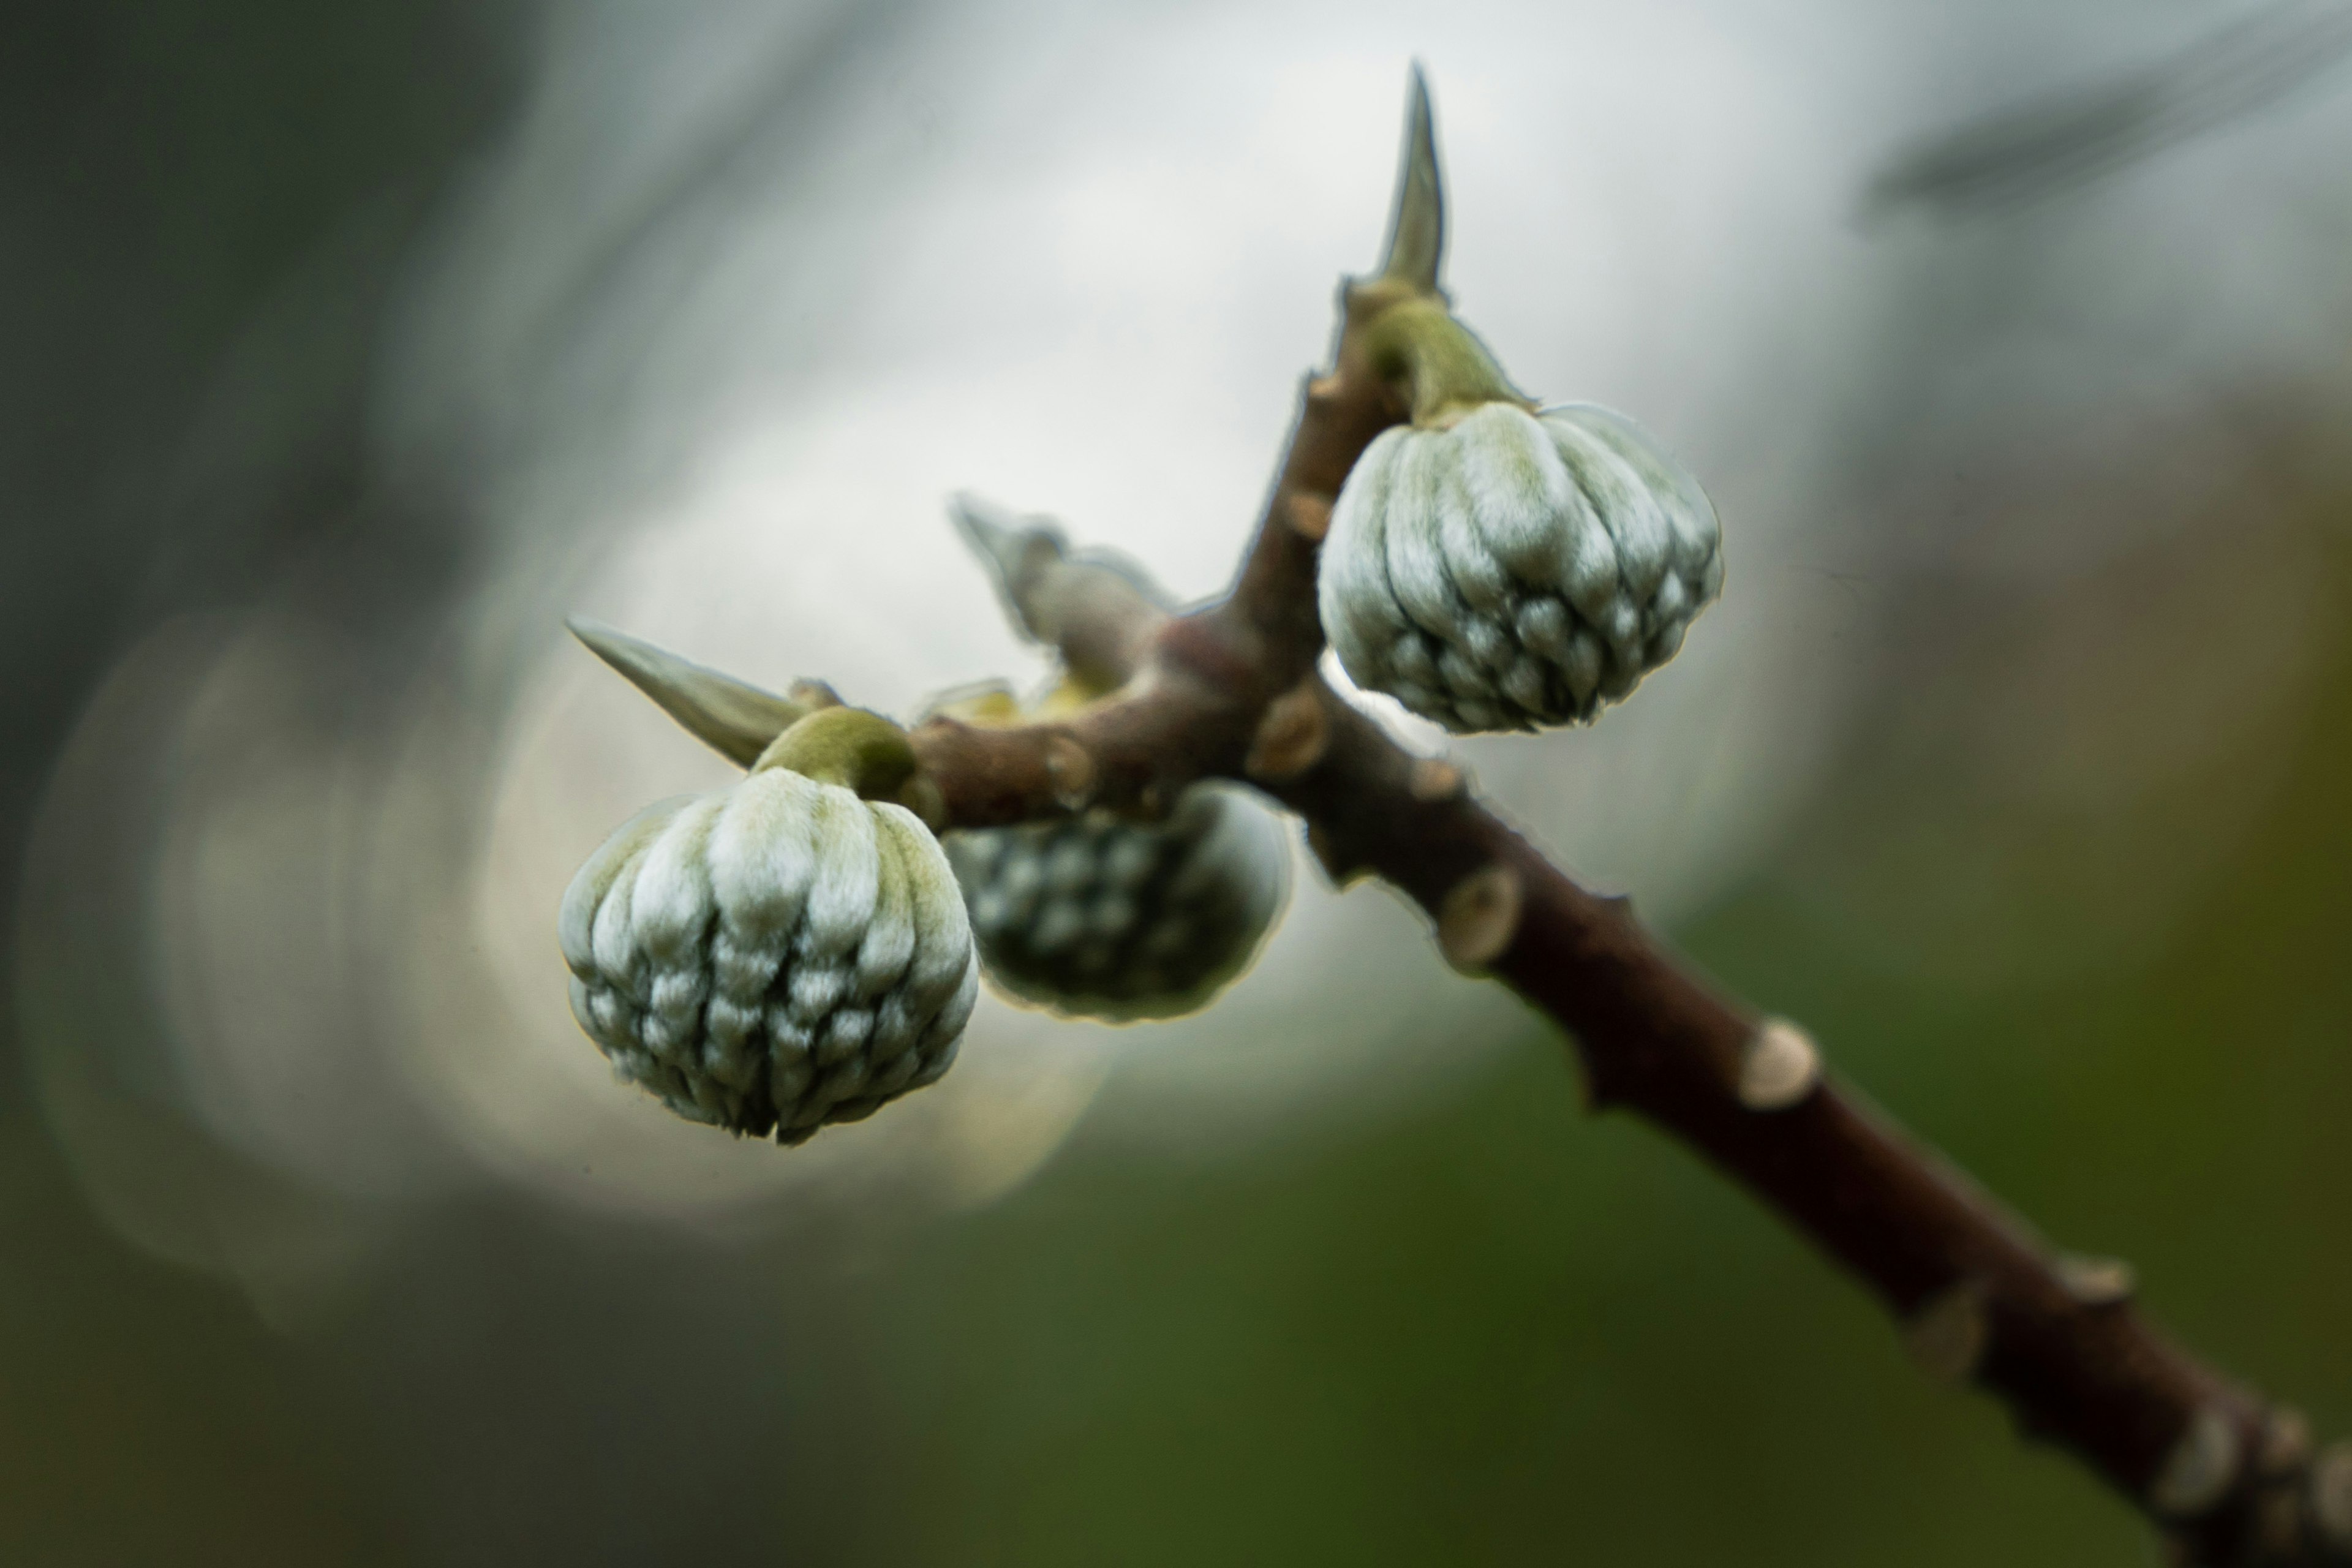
[
  {"x": 1014, "y": 550},
  {"x": 1093, "y": 607},
  {"x": 2198, "y": 1471},
  {"x": 735, "y": 717},
  {"x": 1416, "y": 249}
]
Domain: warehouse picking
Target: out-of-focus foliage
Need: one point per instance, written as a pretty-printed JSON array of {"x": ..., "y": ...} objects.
[
  {"x": 2073, "y": 135},
  {"x": 351, "y": 346}
]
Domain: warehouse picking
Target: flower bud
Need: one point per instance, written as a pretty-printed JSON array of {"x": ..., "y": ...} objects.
[
  {"x": 1516, "y": 570},
  {"x": 773, "y": 956},
  {"x": 1100, "y": 918}
]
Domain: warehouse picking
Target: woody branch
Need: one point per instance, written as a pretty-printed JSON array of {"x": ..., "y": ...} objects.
[{"x": 1229, "y": 691}]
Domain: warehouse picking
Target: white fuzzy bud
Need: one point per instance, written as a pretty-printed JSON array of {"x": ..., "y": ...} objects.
[
  {"x": 772, "y": 957},
  {"x": 1100, "y": 918},
  {"x": 1516, "y": 570}
]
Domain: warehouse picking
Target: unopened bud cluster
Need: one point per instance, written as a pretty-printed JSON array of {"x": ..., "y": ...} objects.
[
  {"x": 772, "y": 957},
  {"x": 1103, "y": 918},
  {"x": 800, "y": 949},
  {"x": 1514, "y": 570}
]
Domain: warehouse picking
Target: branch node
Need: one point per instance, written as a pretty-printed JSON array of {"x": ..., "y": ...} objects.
[
  {"x": 1206, "y": 650},
  {"x": 2286, "y": 1443},
  {"x": 1947, "y": 1337},
  {"x": 2331, "y": 1495},
  {"x": 1478, "y": 917},
  {"x": 1434, "y": 779},
  {"x": 1310, "y": 514},
  {"x": 1780, "y": 1067},
  {"x": 1292, "y": 736},
  {"x": 1209, "y": 692},
  {"x": 2096, "y": 1281},
  {"x": 1072, "y": 770},
  {"x": 2198, "y": 1473}
]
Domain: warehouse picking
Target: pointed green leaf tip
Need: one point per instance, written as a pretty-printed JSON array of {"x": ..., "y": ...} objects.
[
  {"x": 1417, "y": 224},
  {"x": 734, "y": 718}
]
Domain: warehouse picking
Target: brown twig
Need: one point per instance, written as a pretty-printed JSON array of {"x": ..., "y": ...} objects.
[
  {"x": 1229, "y": 691},
  {"x": 1982, "y": 1300}
]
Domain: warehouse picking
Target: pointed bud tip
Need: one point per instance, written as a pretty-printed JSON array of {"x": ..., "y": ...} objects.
[
  {"x": 997, "y": 533},
  {"x": 616, "y": 647},
  {"x": 732, "y": 716},
  {"x": 977, "y": 515},
  {"x": 1416, "y": 248}
]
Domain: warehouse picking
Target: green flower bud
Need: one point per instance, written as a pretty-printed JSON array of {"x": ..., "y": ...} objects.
[
  {"x": 1513, "y": 570},
  {"x": 777, "y": 955},
  {"x": 1101, "y": 918}
]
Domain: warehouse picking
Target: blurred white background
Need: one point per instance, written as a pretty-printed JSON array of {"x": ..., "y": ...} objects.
[{"x": 699, "y": 341}]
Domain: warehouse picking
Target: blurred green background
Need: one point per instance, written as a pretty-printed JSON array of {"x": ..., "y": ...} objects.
[{"x": 1470, "y": 1325}]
